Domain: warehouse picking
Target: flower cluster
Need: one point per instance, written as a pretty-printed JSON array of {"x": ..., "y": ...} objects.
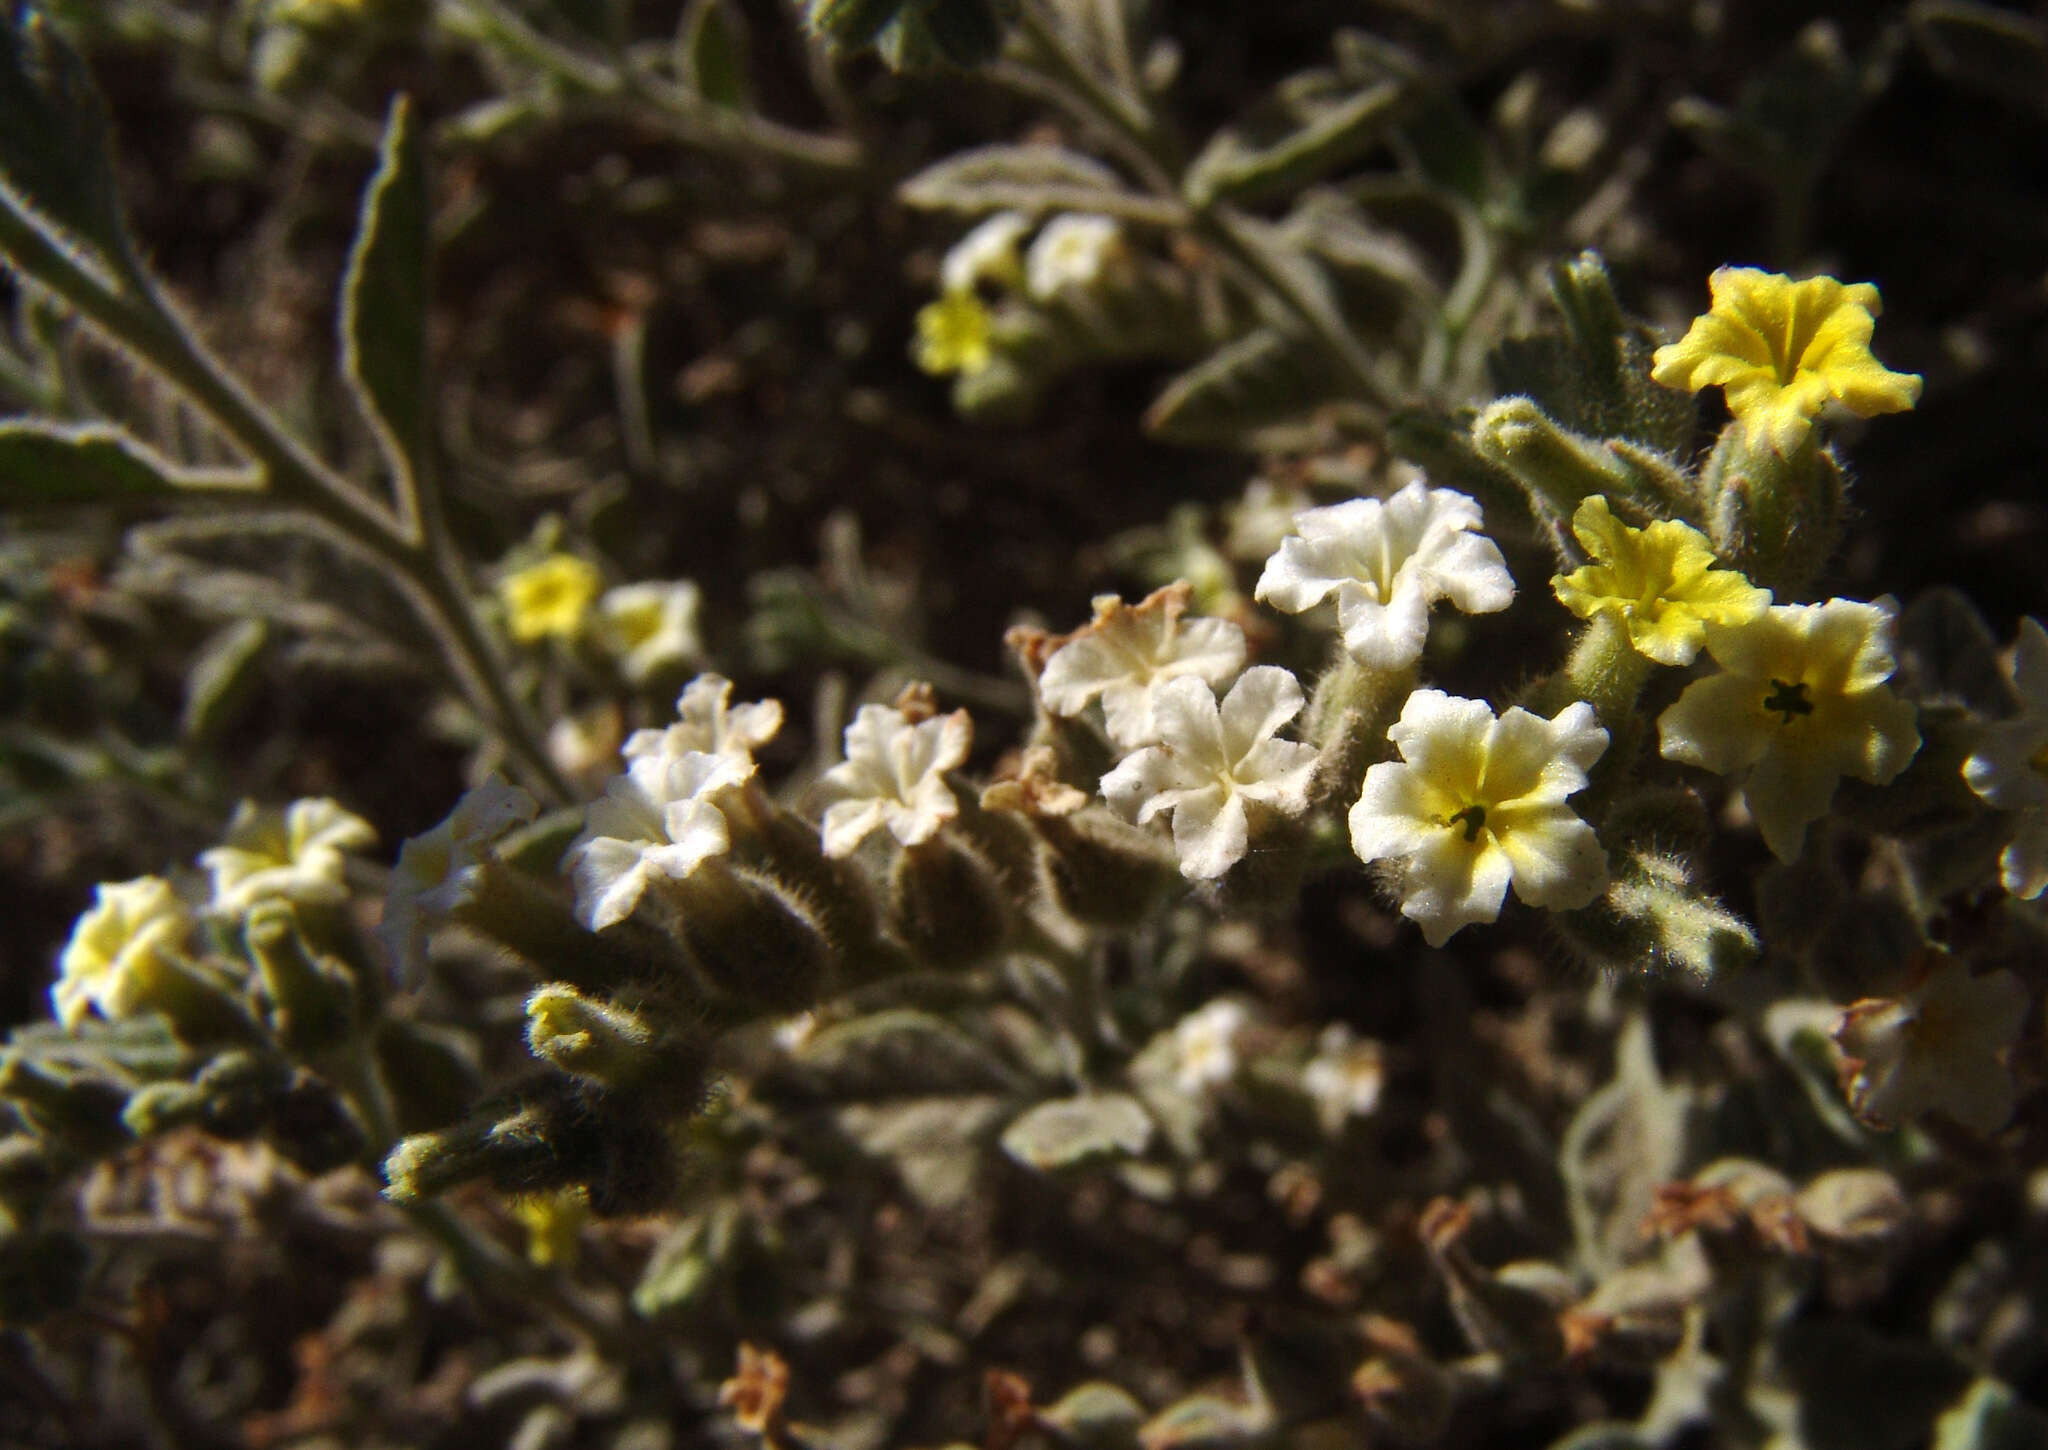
[
  {"x": 645, "y": 629},
  {"x": 989, "y": 273}
]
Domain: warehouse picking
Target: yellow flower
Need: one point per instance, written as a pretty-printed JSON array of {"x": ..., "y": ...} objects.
[
  {"x": 955, "y": 334},
  {"x": 1781, "y": 349},
  {"x": 550, "y": 598},
  {"x": 1659, "y": 581},
  {"x": 122, "y": 952},
  {"x": 1800, "y": 702},
  {"x": 552, "y": 1221}
]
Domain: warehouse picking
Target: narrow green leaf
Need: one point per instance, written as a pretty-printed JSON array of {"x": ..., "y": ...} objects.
[
  {"x": 1260, "y": 381},
  {"x": 1033, "y": 179},
  {"x": 55, "y": 149},
  {"x": 1337, "y": 131},
  {"x": 384, "y": 299},
  {"x": 49, "y": 463},
  {"x": 222, "y": 677},
  {"x": 1999, "y": 52},
  {"x": 711, "y": 55}
]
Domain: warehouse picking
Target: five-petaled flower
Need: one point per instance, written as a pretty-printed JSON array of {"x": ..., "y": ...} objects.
[
  {"x": 1800, "y": 702},
  {"x": 549, "y": 599},
  {"x": 1071, "y": 253},
  {"x": 295, "y": 853},
  {"x": 2009, "y": 768},
  {"x": 987, "y": 254},
  {"x": 1938, "y": 1046},
  {"x": 437, "y": 870},
  {"x": 1213, "y": 764},
  {"x": 1127, "y": 653},
  {"x": 709, "y": 723},
  {"x": 1781, "y": 350},
  {"x": 894, "y": 775},
  {"x": 121, "y": 951},
  {"x": 660, "y": 820},
  {"x": 649, "y": 627},
  {"x": 1205, "y": 1045},
  {"x": 1387, "y": 562},
  {"x": 1477, "y": 802},
  {"x": 955, "y": 334},
  {"x": 1659, "y": 581}
]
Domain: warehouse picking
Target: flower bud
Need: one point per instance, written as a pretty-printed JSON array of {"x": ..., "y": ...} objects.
[
  {"x": 232, "y": 1097},
  {"x": 77, "y": 1109},
  {"x": 587, "y": 1037},
  {"x": 948, "y": 904},
  {"x": 756, "y": 940},
  {"x": 311, "y": 999},
  {"x": 1349, "y": 715},
  {"x": 1557, "y": 467},
  {"x": 1775, "y": 518},
  {"x": 516, "y": 911}
]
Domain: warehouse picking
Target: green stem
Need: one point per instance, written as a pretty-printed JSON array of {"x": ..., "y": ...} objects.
[{"x": 133, "y": 311}]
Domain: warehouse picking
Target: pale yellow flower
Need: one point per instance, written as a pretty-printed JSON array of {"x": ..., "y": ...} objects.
[
  {"x": 552, "y": 1222},
  {"x": 294, "y": 854},
  {"x": 1939, "y": 1046},
  {"x": 549, "y": 599},
  {"x": 1800, "y": 702},
  {"x": 955, "y": 334},
  {"x": 1659, "y": 581},
  {"x": 1782, "y": 349},
  {"x": 121, "y": 951}
]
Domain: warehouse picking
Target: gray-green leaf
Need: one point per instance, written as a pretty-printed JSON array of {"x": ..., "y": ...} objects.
[
  {"x": 1033, "y": 179},
  {"x": 55, "y": 151},
  {"x": 49, "y": 463},
  {"x": 1333, "y": 130},
  {"x": 1259, "y": 381},
  {"x": 222, "y": 676},
  {"x": 711, "y": 55},
  {"x": 384, "y": 298},
  {"x": 1997, "y": 51}
]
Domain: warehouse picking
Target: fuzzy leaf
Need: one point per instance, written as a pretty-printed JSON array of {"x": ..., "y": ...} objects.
[
  {"x": 1946, "y": 652},
  {"x": 711, "y": 55},
  {"x": 1991, "y": 1417},
  {"x": 900, "y": 1052},
  {"x": 1336, "y": 129},
  {"x": 1031, "y": 179},
  {"x": 1994, "y": 50},
  {"x": 935, "y": 1144},
  {"x": 55, "y": 149},
  {"x": 1259, "y": 381},
  {"x": 688, "y": 1259},
  {"x": 50, "y": 463},
  {"x": 221, "y": 677},
  {"x": 384, "y": 297},
  {"x": 1066, "y": 1131},
  {"x": 1626, "y": 1139}
]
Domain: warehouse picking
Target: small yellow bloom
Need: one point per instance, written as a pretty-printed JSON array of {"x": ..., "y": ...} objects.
[
  {"x": 1800, "y": 702},
  {"x": 552, "y": 1222},
  {"x": 1781, "y": 349},
  {"x": 121, "y": 952},
  {"x": 1659, "y": 581},
  {"x": 550, "y": 598},
  {"x": 955, "y": 334}
]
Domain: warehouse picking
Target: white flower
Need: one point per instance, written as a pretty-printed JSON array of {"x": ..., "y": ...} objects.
[
  {"x": 1344, "y": 1078},
  {"x": 657, "y": 821},
  {"x": 708, "y": 724},
  {"x": 119, "y": 951},
  {"x": 894, "y": 775},
  {"x": 1127, "y": 652},
  {"x": 438, "y": 869},
  {"x": 1940, "y": 1046},
  {"x": 295, "y": 853},
  {"x": 1386, "y": 563},
  {"x": 1212, "y": 763},
  {"x": 2010, "y": 766},
  {"x": 1071, "y": 251},
  {"x": 1205, "y": 1045},
  {"x": 988, "y": 253},
  {"x": 650, "y": 627},
  {"x": 1476, "y": 802}
]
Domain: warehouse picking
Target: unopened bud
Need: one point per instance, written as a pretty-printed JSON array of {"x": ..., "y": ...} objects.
[
  {"x": 311, "y": 999},
  {"x": 587, "y": 1037},
  {"x": 948, "y": 904},
  {"x": 1776, "y": 519},
  {"x": 1558, "y": 468},
  {"x": 755, "y": 939},
  {"x": 1105, "y": 871}
]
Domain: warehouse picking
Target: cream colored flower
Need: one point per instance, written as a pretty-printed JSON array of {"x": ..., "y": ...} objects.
[
  {"x": 1782, "y": 349},
  {"x": 1345, "y": 1077},
  {"x": 658, "y": 821},
  {"x": 1660, "y": 582},
  {"x": 894, "y": 775},
  {"x": 1940, "y": 1046},
  {"x": 549, "y": 599},
  {"x": 709, "y": 723},
  {"x": 1800, "y": 702},
  {"x": 987, "y": 254},
  {"x": 437, "y": 870},
  {"x": 1214, "y": 763},
  {"x": 1127, "y": 653},
  {"x": 1476, "y": 803},
  {"x": 1205, "y": 1045},
  {"x": 295, "y": 854},
  {"x": 2009, "y": 768},
  {"x": 1071, "y": 253},
  {"x": 650, "y": 627},
  {"x": 120, "y": 952},
  {"x": 1386, "y": 562}
]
